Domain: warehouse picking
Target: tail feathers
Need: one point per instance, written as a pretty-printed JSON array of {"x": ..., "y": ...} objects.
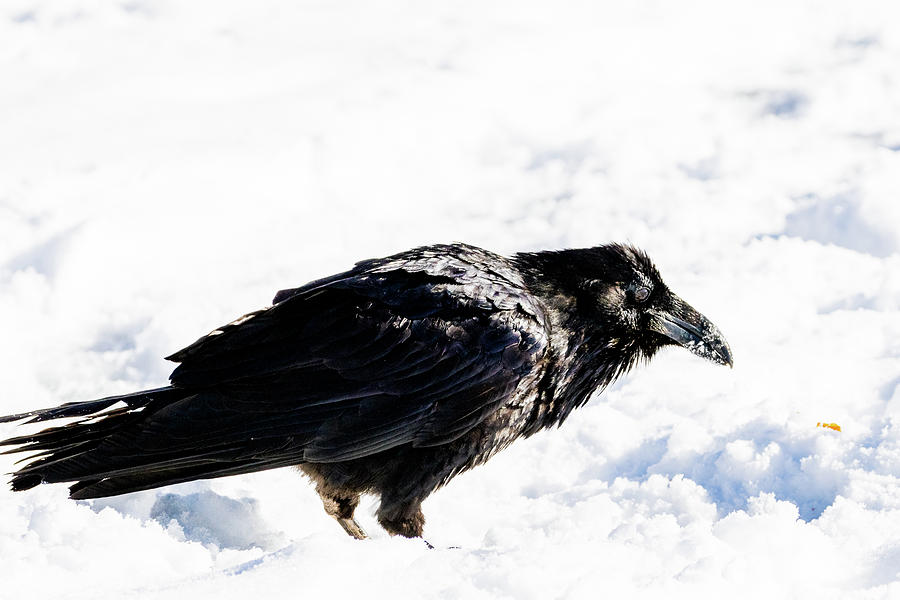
[
  {"x": 25, "y": 482},
  {"x": 69, "y": 437},
  {"x": 81, "y": 409},
  {"x": 105, "y": 460},
  {"x": 111, "y": 452},
  {"x": 55, "y": 443},
  {"x": 68, "y": 453},
  {"x": 114, "y": 486}
]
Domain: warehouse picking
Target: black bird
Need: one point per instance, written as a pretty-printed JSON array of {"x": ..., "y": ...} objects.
[{"x": 390, "y": 378}]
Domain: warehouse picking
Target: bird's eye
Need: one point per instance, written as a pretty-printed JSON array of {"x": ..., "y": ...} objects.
[{"x": 641, "y": 294}]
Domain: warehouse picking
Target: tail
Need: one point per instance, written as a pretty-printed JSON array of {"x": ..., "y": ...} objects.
[
  {"x": 58, "y": 447},
  {"x": 159, "y": 437}
]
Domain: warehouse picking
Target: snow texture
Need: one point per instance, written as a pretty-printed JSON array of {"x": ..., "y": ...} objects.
[{"x": 167, "y": 166}]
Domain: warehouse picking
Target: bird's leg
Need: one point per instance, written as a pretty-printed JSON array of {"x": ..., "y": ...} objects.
[
  {"x": 341, "y": 508},
  {"x": 402, "y": 519}
]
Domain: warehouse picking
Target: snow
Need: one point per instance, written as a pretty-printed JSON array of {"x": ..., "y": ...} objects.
[{"x": 167, "y": 166}]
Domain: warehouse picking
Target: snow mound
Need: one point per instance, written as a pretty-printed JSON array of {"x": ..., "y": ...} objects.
[{"x": 168, "y": 166}]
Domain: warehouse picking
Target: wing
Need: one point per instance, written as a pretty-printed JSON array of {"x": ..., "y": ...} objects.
[{"x": 415, "y": 350}]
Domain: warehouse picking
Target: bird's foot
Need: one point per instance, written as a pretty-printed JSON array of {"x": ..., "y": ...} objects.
[{"x": 352, "y": 528}]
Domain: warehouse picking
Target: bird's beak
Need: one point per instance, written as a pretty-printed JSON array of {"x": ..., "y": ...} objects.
[{"x": 689, "y": 329}]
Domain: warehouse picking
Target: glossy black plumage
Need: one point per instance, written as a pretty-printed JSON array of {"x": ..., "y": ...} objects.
[{"x": 389, "y": 378}]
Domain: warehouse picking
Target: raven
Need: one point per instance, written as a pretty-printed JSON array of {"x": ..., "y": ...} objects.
[{"x": 390, "y": 378}]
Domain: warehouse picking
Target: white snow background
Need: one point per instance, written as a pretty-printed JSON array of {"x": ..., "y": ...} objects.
[{"x": 167, "y": 166}]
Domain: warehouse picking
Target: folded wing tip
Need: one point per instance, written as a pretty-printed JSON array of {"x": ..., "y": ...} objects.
[{"x": 16, "y": 417}]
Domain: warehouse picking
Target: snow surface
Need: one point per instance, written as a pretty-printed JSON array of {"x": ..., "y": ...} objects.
[{"x": 167, "y": 166}]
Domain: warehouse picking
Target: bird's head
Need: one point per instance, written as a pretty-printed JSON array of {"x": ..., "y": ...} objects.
[{"x": 615, "y": 296}]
